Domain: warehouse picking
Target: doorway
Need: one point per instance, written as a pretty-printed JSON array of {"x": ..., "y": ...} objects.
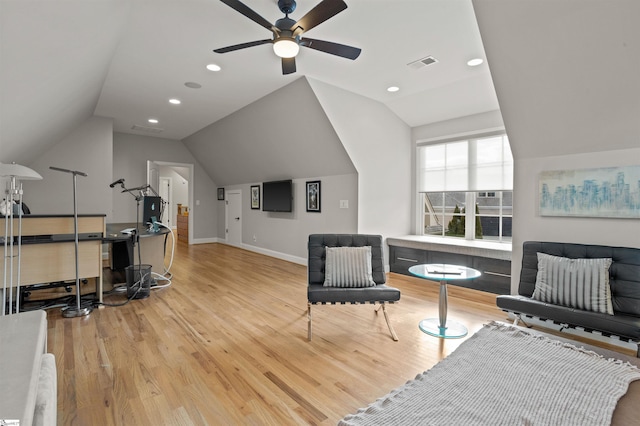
[
  {"x": 180, "y": 175},
  {"x": 233, "y": 217}
]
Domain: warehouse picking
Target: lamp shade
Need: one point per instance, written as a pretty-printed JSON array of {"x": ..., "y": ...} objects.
[
  {"x": 18, "y": 171},
  {"x": 286, "y": 47}
]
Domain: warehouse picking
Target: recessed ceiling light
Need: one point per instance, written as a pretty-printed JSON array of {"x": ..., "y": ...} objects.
[
  {"x": 175, "y": 101},
  {"x": 153, "y": 120},
  {"x": 393, "y": 89},
  {"x": 475, "y": 62},
  {"x": 192, "y": 85},
  {"x": 213, "y": 67}
]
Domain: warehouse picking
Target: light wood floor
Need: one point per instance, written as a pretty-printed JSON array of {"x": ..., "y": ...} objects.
[{"x": 227, "y": 344}]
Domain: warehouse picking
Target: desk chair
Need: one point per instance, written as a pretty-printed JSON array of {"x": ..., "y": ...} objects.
[{"x": 376, "y": 292}]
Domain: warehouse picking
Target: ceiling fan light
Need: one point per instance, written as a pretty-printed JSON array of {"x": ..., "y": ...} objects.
[{"x": 286, "y": 48}]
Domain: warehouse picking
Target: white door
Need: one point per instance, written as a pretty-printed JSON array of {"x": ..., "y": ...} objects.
[
  {"x": 153, "y": 175},
  {"x": 233, "y": 217},
  {"x": 165, "y": 193}
]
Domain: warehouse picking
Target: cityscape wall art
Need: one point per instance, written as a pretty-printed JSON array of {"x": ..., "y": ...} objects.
[{"x": 612, "y": 192}]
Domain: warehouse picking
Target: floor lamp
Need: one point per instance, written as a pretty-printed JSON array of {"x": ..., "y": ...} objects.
[
  {"x": 78, "y": 310},
  {"x": 13, "y": 243}
]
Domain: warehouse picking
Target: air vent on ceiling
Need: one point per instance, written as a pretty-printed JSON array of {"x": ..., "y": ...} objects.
[
  {"x": 421, "y": 63},
  {"x": 147, "y": 129}
]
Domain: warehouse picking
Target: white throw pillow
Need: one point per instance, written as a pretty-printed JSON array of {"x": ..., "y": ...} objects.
[
  {"x": 348, "y": 267},
  {"x": 576, "y": 283}
]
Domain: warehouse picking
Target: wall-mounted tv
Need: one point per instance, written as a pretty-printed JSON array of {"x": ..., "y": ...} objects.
[{"x": 277, "y": 196}]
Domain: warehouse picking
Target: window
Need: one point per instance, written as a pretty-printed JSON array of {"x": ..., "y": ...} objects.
[
  {"x": 489, "y": 194},
  {"x": 455, "y": 175}
]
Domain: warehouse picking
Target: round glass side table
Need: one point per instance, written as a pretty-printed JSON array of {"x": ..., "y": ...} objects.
[{"x": 442, "y": 272}]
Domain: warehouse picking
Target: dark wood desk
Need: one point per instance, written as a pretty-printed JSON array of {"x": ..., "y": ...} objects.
[{"x": 123, "y": 251}]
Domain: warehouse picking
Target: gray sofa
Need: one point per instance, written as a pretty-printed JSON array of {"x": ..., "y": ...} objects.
[
  {"x": 624, "y": 282},
  {"x": 28, "y": 377}
]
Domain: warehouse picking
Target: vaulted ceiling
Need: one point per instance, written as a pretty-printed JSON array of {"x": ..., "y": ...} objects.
[{"x": 62, "y": 61}]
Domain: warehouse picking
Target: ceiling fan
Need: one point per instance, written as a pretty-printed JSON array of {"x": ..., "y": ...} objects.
[{"x": 287, "y": 32}]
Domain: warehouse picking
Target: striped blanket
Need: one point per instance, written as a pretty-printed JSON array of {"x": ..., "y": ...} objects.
[{"x": 503, "y": 375}]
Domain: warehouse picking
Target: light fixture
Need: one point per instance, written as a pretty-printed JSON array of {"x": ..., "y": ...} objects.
[
  {"x": 286, "y": 47},
  {"x": 78, "y": 310},
  {"x": 392, "y": 89},
  {"x": 14, "y": 172},
  {"x": 475, "y": 62},
  {"x": 175, "y": 101},
  {"x": 153, "y": 121},
  {"x": 213, "y": 67}
]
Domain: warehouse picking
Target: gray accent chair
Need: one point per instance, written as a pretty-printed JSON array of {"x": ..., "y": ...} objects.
[{"x": 318, "y": 294}]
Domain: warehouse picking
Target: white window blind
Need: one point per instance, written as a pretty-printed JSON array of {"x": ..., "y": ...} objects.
[{"x": 484, "y": 164}]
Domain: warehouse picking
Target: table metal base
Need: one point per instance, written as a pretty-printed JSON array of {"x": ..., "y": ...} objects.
[{"x": 452, "y": 329}]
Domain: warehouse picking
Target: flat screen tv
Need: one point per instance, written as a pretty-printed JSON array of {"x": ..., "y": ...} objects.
[{"x": 277, "y": 196}]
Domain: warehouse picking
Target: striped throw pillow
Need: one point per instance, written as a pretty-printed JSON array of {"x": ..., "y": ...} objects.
[
  {"x": 348, "y": 267},
  {"x": 576, "y": 283}
]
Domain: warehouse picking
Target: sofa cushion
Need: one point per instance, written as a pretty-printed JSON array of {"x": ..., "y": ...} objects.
[
  {"x": 381, "y": 293},
  {"x": 576, "y": 283},
  {"x": 626, "y": 326},
  {"x": 624, "y": 271},
  {"x": 348, "y": 267}
]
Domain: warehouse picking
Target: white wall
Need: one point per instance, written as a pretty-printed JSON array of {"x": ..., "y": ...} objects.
[
  {"x": 283, "y": 135},
  {"x": 86, "y": 149},
  {"x": 130, "y": 155},
  {"x": 566, "y": 76},
  {"x": 379, "y": 145},
  {"x": 285, "y": 235},
  {"x": 529, "y": 225}
]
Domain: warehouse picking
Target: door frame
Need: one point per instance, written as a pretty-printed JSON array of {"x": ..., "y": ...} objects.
[
  {"x": 169, "y": 207},
  {"x": 190, "y": 166}
]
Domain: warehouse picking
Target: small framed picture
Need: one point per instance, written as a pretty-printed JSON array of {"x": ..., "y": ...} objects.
[
  {"x": 255, "y": 197},
  {"x": 220, "y": 193},
  {"x": 313, "y": 196}
]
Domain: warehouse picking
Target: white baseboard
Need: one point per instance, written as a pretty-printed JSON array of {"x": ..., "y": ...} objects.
[
  {"x": 266, "y": 252},
  {"x": 276, "y": 254},
  {"x": 207, "y": 240}
]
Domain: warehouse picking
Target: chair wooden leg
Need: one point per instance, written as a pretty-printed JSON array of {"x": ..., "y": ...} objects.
[
  {"x": 386, "y": 317},
  {"x": 308, "y": 321}
]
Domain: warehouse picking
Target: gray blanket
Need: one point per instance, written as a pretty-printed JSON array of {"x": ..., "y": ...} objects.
[{"x": 503, "y": 375}]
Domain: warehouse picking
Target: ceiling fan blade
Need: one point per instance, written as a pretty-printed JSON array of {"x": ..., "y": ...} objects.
[
  {"x": 323, "y": 11},
  {"x": 332, "y": 48},
  {"x": 242, "y": 46},
  {"x": 249, "y": 13},
  {"x": 288, "y": 65}
]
